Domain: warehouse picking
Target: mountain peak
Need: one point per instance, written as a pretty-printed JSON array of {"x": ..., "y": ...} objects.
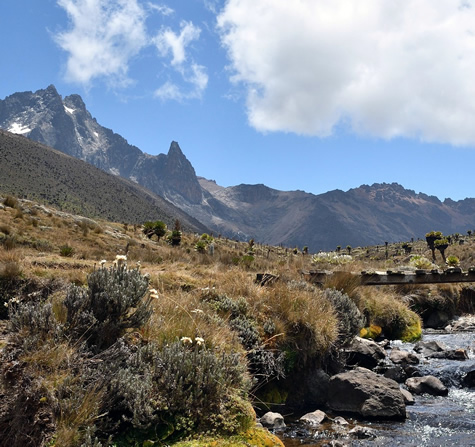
[
  {"x": 75, "y": 101},
  {"x": 51, "y": 88},
  {"x": 175, "y": 149}
]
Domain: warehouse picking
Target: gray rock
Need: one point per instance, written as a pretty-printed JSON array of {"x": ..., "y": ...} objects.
[
  {"x": 365, "y": 353},
  {"x": 469, "y": 379},
  {"x": 411, "y": 371},
  {"x": 452, "y": 354},
  {"x": 362, "y": 433},
  {"x": 340, "y": 421},
  {"x": 337, "y": 443},
  {"x": 396, "y": 373},
  {"x": 408, "y": 397},
  {"x": 427, "y": 348},
  {"x": 272, "y": 420},
  {"x": 314, "y": 419},
  {"x": 464, "y": 324},
  {"x": 436, "y": 319},
  {"x": 426, "y": 385},
  {"x": 366, "y": 393},
  {"x": 400, "y": 356}
]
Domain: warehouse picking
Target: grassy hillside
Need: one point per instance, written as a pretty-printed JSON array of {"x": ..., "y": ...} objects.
[
  {"x": 37, "y": 172},
  {"x": 183, "y": 342}
]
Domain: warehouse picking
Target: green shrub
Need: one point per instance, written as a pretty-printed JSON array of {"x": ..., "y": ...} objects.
[
  {"x": 66, "y": 250},
  {"x": 11, "y": 202},
  {"x": 422, "y": 263},
  {"x": 263, "y": 363},
  {"x": 394, "y": 317},
  {"x": 157, "y": 228},
  {"x": 36, "y": 321},
  {"x": 174, "y": 238},
  {"x": 113, "y": 302},
  {"x": 201, "y": 246},
  {"x": 349, "y": 317},
  {"x": 453, "y": 261},
  {"x": 9, "y": 242}
]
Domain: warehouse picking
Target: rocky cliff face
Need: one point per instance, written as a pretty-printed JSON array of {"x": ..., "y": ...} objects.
[
  {"x": 66, "y": 125},
  {"x": 361, "y": 216}
]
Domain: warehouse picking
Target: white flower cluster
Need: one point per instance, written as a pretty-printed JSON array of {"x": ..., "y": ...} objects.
[
  {"x": 188, "y": 341},
  {"x": 11, "y": 301},
  {"x": 331, "y": 258},
  {"x": 120, "y": 259}
]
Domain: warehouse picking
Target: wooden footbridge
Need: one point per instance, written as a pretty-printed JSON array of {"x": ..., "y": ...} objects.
[{"x": 394, "y": 277}]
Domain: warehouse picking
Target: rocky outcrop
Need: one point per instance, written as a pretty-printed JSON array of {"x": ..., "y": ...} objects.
[
  {"x": 426, "y": 385},
  {"x": 367, "y": 394}
]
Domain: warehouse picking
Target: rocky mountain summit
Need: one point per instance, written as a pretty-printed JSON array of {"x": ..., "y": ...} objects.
[
  {"x": 66, "y": 125},
  {"x": 361, "y": 216}
]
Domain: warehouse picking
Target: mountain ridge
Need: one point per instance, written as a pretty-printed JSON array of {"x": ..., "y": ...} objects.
[
  {"x": 55, "y": 178},
  {"x": 363, "y": 215}
]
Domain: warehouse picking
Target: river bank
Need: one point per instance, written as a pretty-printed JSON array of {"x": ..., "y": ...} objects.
[{"x": 431, "y": 421}]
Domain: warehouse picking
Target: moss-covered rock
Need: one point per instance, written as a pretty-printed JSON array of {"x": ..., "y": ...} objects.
[
  {"x": 255, "y": 437},
  {"x": 373, "y": 331}
]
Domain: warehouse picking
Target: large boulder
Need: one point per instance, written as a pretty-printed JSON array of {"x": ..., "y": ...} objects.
[
  {"x": 364, "y": 353},
  {"x": 426, "y": 385},
  {"x": 367, "y": 394}
]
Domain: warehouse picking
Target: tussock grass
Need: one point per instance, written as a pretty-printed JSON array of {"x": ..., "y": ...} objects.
[{"x": 206, "y": 296}]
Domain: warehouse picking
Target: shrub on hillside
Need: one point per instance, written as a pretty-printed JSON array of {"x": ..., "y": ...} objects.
[
  {"x": 88, "y": 381},
  {"x": 350, "y": 320},
  {"x": 114, "y": 302},
  {"x": 157, "y": 228},
  {"x": 11, "y": 202},
  {"x": 393, "y": 316},
  {"x": 263, "y": 363}
]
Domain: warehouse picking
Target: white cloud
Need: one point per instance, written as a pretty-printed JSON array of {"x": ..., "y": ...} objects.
[
  {"x": 388, "y": 68},
  {"x": 162, "y": 9},
  {"x": 169, "y": 42},
  {"x": 195, "y": 76},
  {"x": 104, "y": 36}
]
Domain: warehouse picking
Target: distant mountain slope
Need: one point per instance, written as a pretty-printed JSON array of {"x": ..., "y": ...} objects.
[
  {"x": 361, "y": 216},
  {"x": 34, "y": 171}
]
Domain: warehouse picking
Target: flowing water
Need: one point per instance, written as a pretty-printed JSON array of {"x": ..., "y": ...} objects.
[{"x": 431, "y": 421}]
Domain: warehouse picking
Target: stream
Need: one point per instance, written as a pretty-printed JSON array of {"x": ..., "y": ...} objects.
[{"x": 431, "y": 421}]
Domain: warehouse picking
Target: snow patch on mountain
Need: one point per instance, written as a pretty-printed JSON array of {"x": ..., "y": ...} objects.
[
  {"x": 71, "y": 111},
  {"x": 19, "y": 128}
]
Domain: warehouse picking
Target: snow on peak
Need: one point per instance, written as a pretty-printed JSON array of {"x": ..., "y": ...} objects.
[
  {"x": 71, "y": 111},
  {"x": 19, "y": 128}
]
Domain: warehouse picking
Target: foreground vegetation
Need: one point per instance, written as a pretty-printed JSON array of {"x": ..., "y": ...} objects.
[{"x": 113, "y": 336}]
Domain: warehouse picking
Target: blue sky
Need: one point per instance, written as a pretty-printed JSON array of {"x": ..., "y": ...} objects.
[{"x": 306, "y": 94}]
